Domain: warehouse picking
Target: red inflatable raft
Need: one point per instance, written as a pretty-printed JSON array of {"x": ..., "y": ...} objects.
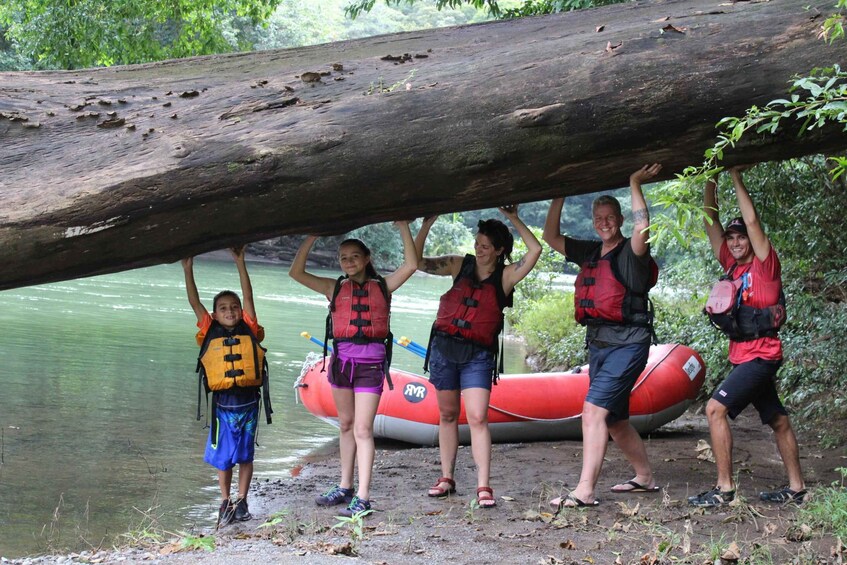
[{"x": 530, "y": 407}]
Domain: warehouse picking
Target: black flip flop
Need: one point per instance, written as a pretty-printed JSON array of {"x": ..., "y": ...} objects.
[{"x": 636, "y": 487}]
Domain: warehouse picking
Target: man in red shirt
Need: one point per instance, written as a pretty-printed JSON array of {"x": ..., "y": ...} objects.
[{"x": 747, "y": 257}]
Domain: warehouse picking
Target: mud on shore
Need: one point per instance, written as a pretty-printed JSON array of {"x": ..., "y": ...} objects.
[{"x": 409, "y": 527}]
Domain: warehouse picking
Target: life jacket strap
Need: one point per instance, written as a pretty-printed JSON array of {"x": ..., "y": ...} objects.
[
  {"x": 589, "y": 281},
  {"x": 360, "y": 292},
  {"x": 471, "y": 302},
  {"x": 232, "y": 373},
  {"x": 463, "y": 324},
  {"x": 230, "y": 357},
  {"x": 361, "y": 308},
  {"x": 389, "y": 352},
  {"x": 359, "y": 322},
  {"x": 230, "y": 341}
]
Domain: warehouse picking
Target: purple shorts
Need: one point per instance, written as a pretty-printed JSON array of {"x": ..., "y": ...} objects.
[{"x": 360, "y": 367}]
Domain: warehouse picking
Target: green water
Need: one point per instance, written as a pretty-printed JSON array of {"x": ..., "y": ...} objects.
[{"x": 98, "y": 398}]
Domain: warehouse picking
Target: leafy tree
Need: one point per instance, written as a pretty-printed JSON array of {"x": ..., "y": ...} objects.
[
  {"x": 306, "y": 22},
  {"x": 72, "y": 34},
  {"x": 502, "y": 9}
]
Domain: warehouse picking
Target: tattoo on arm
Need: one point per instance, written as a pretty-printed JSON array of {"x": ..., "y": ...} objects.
[
  {"x": 520, "y": 263},
  {"x": 640, "y": 216}
]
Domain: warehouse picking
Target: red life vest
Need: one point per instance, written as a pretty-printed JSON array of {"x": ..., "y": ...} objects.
[
  {"x": 359, "y": 313},
  {"x": 601, "y": 298},
  {"x": 472, "y": 310}
]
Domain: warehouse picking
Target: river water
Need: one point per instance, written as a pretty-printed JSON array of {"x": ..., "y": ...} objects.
[{"x": 98, "y": 398}]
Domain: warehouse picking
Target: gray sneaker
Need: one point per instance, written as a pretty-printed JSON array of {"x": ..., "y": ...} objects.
[{"x": 334, "y": 496}]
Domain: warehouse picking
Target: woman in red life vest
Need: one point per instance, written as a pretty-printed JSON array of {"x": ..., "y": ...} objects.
[
  {"x": 462, "y": 354},
  {"x": 358, "y": 324}
]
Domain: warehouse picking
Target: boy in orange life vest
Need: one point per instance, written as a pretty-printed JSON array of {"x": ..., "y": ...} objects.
[
  {"x": 236, "y": 408},
  {"x": 359, "y": 310},
  {"x": 745, "y": 253},
  {"x": 618, "y": 334}
]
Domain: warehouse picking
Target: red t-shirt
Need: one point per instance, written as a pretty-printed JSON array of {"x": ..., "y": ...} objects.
[
  {"x": 761, "y": 286},
  {"x": 206, "y": 322}
]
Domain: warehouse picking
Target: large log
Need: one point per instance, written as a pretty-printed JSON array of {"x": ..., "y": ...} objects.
[{"x": 110, "y": 169}]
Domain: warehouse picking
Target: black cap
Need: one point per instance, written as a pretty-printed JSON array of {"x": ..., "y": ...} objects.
[{"x": 736, "y": 225}]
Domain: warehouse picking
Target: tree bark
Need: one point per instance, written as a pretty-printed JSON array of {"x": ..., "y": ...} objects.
[{"x": 109, "y": 169}]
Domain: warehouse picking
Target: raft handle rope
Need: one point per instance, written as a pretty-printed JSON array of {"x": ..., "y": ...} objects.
[{"x": 638, "y": 383}]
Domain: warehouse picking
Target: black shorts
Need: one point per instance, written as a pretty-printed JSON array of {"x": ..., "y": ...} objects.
[{"x": 751, "y": 382}]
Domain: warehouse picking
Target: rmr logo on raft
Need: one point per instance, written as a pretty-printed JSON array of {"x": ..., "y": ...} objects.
[{"x": 414, "y": 393}]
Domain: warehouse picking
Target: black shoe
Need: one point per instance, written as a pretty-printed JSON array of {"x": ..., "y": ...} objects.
[
  {"x": 712, "y": 498},
  {"x": 242, "y": 511},
  {"x": 784, "y": 496},
  {"x": 226, "y": 514}
]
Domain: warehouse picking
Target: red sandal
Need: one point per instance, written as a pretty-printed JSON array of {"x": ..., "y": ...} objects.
[
  {"x": 437, "y": 491},
  {"x": 488, "y": 501}
]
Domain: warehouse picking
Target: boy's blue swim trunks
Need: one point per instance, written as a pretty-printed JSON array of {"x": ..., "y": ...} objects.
[{"x": 236, "y": 432}]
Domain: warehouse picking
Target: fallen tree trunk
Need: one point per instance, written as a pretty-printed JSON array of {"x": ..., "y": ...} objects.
[{"x": 117, "y": 168}]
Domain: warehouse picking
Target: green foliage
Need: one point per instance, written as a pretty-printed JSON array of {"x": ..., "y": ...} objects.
[
  {"x": 192, "y": 542},
  {"x": 385, "y": 244},
  {"x": 355, "y": 526},
  {"x": 306, "y": 22},
  {"x": 274, "y": 519},
  {"x": 551, "y": 333},
  {"x": 539, "y": 282},
  {"x": 448, "y": 236},
  {"x": 84, "y": 33},
  {"x": 833, "y": 28},
  {"x": 827, "y": 509},
  {"x": 502, "y": 9},
  {"x": 540, "y": 7},
  {"x": 356, "y": 8}
]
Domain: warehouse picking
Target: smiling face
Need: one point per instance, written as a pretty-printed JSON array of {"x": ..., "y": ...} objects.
[
  {"x": 353, "y": 260},
  {"x": 486, "y": 253},
  {"x": 739, "y": 246},
  {"x": 227, "y": 311},
  {"x": 607, "y": 223}
]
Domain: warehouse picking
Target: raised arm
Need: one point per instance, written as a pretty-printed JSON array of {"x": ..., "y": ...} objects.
[
  {"x": 758, "y": 240},
  {"x": 297, "y": 271},
  {"x": 443, "y": 265},
  {"x": 714, "y": 229},
  {"x": 640, "y": 214},
  {"x": 552, "y": 233},
  {"x": 410, "y": 258},
  {"x": 246, "y": 287},
  {"x": 191, "y": 289},
  {"x": 515, "y": 272}
]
